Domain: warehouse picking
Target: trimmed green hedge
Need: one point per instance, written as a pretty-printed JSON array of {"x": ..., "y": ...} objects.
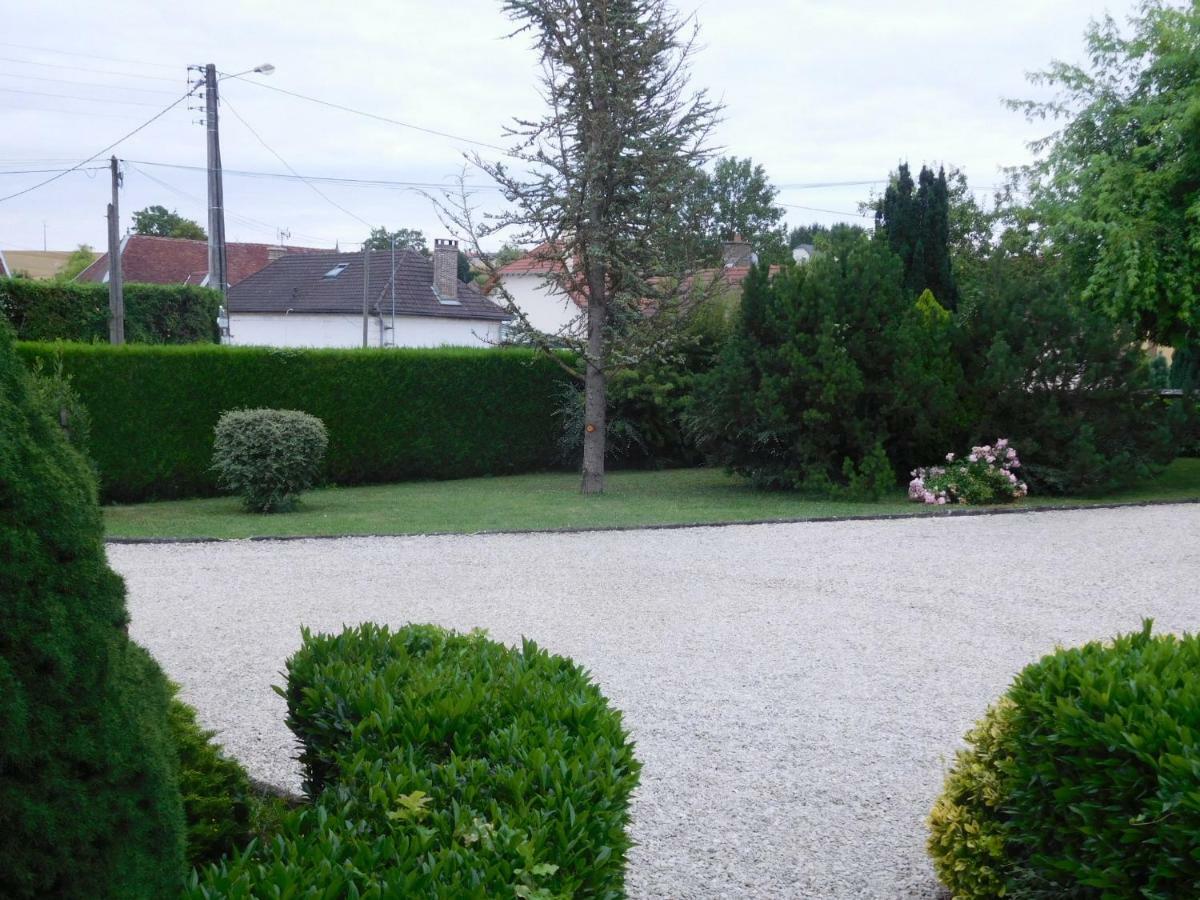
[
  {"x": 444, "y": 765},
  {"x": 392, "y": 415},
  {"x": 78, "y": 311}
]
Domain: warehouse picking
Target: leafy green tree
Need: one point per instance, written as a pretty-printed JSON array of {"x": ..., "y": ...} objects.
[
  {"x": 161, "y": 222},
  {"x": 88, "y": 777},
  {"x": 405, "y": 238},
  {"x": 831, "y": 370},
  {"x": 81, "y": 257},
  {"x": 743, "y": 203},
  {"x": 915, "y": 218},
  {"x": 1069, "y": 389},
  {"x": 1116, "y": 190}
]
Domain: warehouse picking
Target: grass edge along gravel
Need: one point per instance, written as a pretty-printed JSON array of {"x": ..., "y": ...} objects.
[{"x": 550, "y": 503}]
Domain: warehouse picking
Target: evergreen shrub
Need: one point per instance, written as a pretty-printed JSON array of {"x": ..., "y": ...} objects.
[
  {"x": 269, "y": 456},
  {"x": 78, "y": 311},
  {"x": 89, "y": 799},
  {"x": 1082, "y": 781},
  {"x": 444, "y": 765}
]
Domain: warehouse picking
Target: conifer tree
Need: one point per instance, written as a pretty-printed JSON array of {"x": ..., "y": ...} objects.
[
  {"x": 89, "y": 801},
  {"x": 916, "y": 221}
]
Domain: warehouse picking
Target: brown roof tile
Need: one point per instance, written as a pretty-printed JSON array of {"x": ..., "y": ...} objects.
[{"x": 161, "y": 260}]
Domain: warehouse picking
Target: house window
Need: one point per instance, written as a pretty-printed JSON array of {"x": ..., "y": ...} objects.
[{"x": 336, "y": 270}]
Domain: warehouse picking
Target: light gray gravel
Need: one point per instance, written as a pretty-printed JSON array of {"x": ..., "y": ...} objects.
[{"x": 795, "y": 690}]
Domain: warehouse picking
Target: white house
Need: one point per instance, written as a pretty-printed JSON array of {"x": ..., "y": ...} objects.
[
  {"x": 527, "y": 281},
  {"x": 316, "y": 300}
]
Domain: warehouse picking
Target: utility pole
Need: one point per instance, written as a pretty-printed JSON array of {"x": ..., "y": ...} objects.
[
  {"x": 366, "y": 255},
  {"x": 218, "y": 270},
  {"x": 116, "y": 287}
]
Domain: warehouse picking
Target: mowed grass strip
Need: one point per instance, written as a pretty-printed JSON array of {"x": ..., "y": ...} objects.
[{"x": 548, "y": 501}]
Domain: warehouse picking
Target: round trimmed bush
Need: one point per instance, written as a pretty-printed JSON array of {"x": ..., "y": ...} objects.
[
  {"x": 269, "y": 456},
  {"x": 1083, "y": 780}
]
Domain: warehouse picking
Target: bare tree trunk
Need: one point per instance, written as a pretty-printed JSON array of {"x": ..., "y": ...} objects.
[{"x": 595, "y": 401}]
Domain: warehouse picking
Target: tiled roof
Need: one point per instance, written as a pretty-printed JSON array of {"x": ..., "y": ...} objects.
[
  {"x": 300, "y": 284},
  {"x": 161, "y": 260}
]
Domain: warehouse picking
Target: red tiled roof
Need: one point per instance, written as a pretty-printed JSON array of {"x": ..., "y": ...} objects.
[
  {"x": 160, "y": 260},
  {"x": 539, "y": 260}
]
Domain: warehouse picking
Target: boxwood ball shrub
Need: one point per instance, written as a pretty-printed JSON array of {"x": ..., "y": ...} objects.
[
  {"x": 1083, "y": 780},
  {"x": 444, "y": 765},
  {"x": 89, "y": 800},
  {"x": 269, "y": 456}
]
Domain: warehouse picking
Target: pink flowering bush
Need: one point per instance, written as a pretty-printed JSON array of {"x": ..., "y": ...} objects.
[{"x": 988, "y": 474}]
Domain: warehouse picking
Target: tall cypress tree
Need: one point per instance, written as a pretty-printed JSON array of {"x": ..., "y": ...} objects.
[
  {"x": 915, "y": 218},
  {"x": 89, "y": 800}
]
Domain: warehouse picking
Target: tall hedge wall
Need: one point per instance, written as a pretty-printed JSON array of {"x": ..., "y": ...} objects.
[
  {"x": 78, "y": 311},
  {"x": 392, "y": 414}
]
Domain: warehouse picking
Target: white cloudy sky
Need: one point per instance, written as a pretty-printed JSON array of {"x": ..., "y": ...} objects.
[{"x": 815, "y": 90}]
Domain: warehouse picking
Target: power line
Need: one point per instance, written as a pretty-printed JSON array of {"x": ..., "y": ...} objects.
[
  {"x": 379, "y": 118},
  {"x": 47, "y": 171},
  {"x": 158, "y": 115},
  {"x": 365, "y": 182},
  {"x": 288, "y": 166},
  {"x": 136, "y": 62},
  {"x": 31, "y": 62},
  {"x": 834, "y": 212},
  {"x": 243, "y": 220},
  {"x": 75, "y": 97},
  {"x": 92, "y": 84}
]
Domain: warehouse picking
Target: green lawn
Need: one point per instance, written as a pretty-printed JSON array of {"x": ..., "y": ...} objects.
[{"x": 545, "y": 501}]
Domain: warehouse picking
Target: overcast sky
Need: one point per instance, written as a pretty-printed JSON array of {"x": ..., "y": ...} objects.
[{"x": 815, "y": 90}]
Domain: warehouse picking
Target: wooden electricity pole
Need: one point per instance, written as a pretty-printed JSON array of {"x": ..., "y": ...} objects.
[
  {"x": 366, "y": 255},
  {"x": 218, "y": 269},
  {"x": 116, "y": 286}
]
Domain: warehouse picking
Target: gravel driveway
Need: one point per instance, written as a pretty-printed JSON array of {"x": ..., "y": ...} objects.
[{"x": 795, "y": 691}]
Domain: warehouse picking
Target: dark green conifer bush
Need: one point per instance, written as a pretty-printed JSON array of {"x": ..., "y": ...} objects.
[{"x": 89, "y": 802}]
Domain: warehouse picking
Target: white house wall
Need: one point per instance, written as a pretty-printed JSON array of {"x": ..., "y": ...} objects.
[
  {"x": 546, "y": 309},
  {"x": 312, "y": 330}
]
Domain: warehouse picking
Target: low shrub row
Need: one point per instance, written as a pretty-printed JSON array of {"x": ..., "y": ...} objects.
[
  {"x": 392, "y": 415},
  {"x": 444, "y": 765},
  {"x": 78, "y": 311},
  {"x": 1082, "y": 781}
]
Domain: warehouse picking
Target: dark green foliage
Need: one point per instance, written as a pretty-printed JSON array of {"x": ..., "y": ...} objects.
[
  {"x": 1082, "y": 781},
  {"x": 162, "y": 222},
  {"x": 444, "y": 765},
  {"x": 392, "y": 415},
  {"x": 216, "y": 792},
  {"x": 830, "y": 360},
  {"x": 916, "y": 224},
  {"x": 89, "y": 803},
  {"x": 78, "y": 311},
  {"x": 268, "y": 456},
  {"x": 50, "y": 388},
  {"x": 1068, "y": 388}
]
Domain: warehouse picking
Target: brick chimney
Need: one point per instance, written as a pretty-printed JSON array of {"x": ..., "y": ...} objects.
[
  {"x": 445, "y": 268},
  {"x": 273, "y": 253},
  {"x": 737, "y": 252}
]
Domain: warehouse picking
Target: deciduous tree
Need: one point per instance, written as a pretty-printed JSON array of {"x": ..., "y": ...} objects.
[
  {"x": 162, "y": 222},
  {"x": 1116, "y": 189}
]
